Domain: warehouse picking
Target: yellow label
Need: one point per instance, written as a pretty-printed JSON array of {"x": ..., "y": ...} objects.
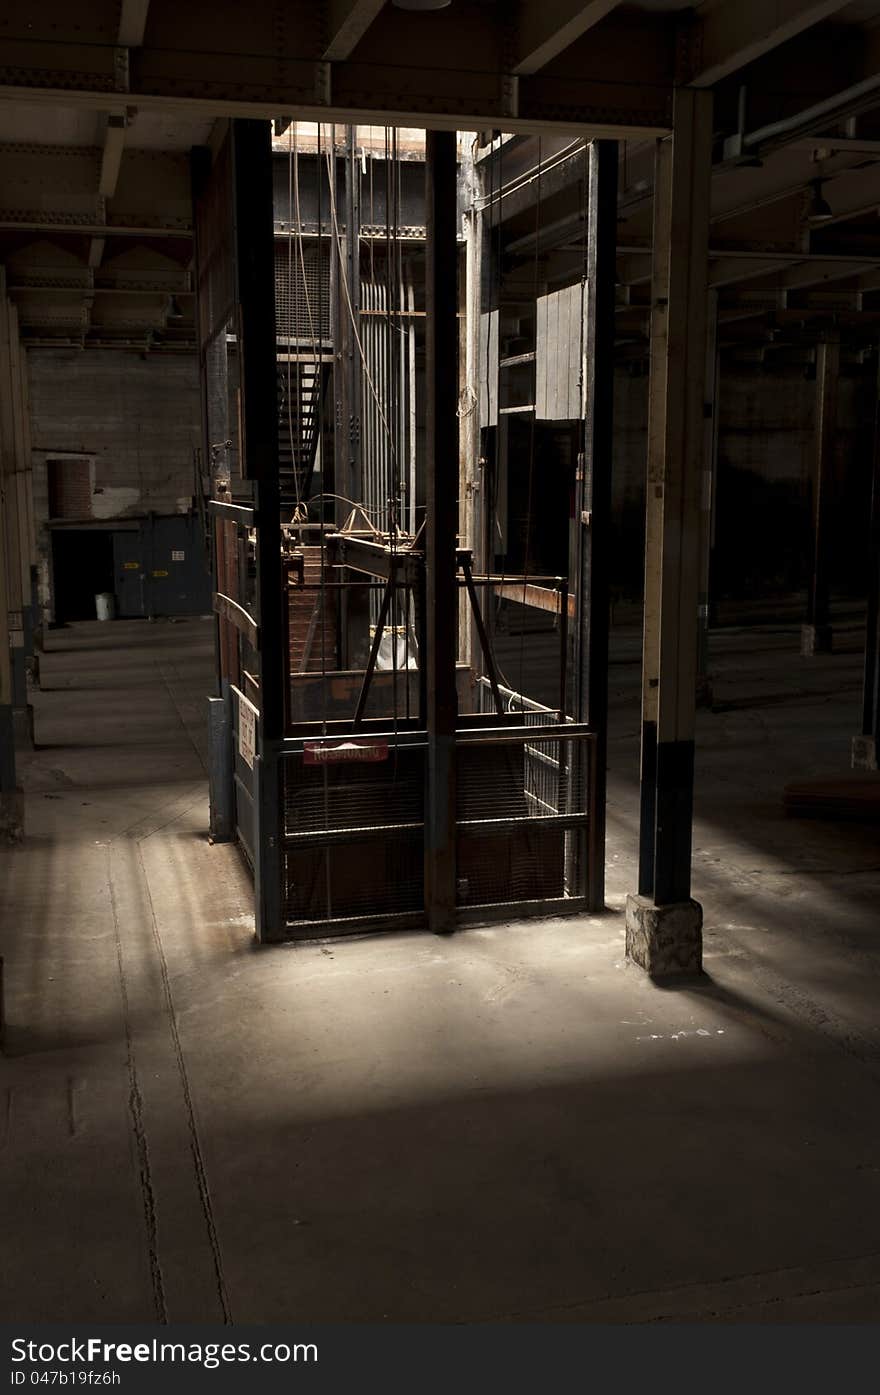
[
  {"x": 130, "y": 566},
  {"x": 160, "y": 573}
]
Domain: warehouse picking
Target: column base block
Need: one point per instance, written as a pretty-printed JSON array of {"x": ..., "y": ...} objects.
[
  {"x": 23, "y": 727},
  {"x": 864, "y": 753},
  {"x": 12, "y": 816},
  {"x": 665, "y": 941},
  {"x": 815, "y": 639}
]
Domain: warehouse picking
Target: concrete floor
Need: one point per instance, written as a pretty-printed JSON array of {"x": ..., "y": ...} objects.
[{"x": 511, "y": 1124}]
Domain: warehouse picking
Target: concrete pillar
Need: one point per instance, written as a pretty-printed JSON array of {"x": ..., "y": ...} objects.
[
  {"x": 816, "y": 632},
  {"x": 663, "y": 923},
  {"x": 866, "y": 745}
]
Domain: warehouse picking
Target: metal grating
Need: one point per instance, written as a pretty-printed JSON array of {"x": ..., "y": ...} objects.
[
  {"x": 521, "y": 811},
  {"x": 353, "y": 837},
  {"x": 297, "y": 297},
  {"x": 368, "y": 798}
]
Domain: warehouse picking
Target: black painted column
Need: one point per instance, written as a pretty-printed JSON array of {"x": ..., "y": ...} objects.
[
  {"x": 595, "y": 491},
  {"x": 255, "y": 289},
  {"x": 441, "y": 525},
  {"x": 866, "y": 746},
  {"x": 816, "y": 632},
  {"x": 663, "y": 923}
]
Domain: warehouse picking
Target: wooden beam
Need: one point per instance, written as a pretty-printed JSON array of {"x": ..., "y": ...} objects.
[
  {"x": 538, "y": 597},
  {"x": 348, "y": 22},
  {"x": 676, "y": 427},
  {"x": 548, "y": 27},
  {"x": 730, "y": 34},
  {"x": 238, "y": 616}
]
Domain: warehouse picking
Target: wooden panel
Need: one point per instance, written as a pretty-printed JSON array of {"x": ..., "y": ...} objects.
[
  {"x": 487, "y": 369},
  {"x": 558, "y": 355},
  {"x": 563, "y": 351},
  {"x": 541, "y": 359}
]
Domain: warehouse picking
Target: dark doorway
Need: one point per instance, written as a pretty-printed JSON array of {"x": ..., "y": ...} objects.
[{"x": 82, "y": 563}]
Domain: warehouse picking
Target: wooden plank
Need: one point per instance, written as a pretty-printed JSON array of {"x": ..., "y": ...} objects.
[
  {"x": 541, "y": 359},
  {"x": 552, "y": 356},
  {"x": 574, "y": 351},
  {"x": 235, "y": 513},
  {"x": 238, "y": 616},
  {"x": 538, "y": 597},
  {"x": 487, "y": 369},
  {"x": 581, "y": 389},
  {"x": 563, "y": 350}
]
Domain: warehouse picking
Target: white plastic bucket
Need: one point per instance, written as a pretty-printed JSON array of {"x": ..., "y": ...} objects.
[{"x": 105, "y": 605}]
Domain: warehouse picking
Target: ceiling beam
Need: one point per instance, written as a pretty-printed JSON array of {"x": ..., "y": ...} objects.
[
  {"x": 348, "y": 22},
  {"x": 547, "y": 27},
  {"x": 733, "y": 33},
  {"x": 132, "y": 23},
  {"x": 111, "y": 156},
  {"x": 33, "y": 222}
]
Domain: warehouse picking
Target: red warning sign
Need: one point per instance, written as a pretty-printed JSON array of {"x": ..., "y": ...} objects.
[{"x": 343, "y": 752}]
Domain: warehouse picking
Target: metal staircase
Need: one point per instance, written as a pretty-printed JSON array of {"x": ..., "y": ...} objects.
[{"x": 302, "y": 386}]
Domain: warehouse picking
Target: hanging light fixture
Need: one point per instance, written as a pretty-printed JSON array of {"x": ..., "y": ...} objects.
[{"x": 820, "y": 209}]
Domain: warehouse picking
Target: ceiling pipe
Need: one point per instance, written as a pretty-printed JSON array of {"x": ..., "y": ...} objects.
[{"x": 846, "y": 103}]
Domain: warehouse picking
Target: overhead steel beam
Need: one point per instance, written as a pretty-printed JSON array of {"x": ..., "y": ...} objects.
[
  {"x": 111, "y": 156},
  {"x": 547, "y": 27},
  {"x": 59, "y": 229},
  {"x": 449, "y": 70},
  {"x": 348, "y": 22},
  {"x": 132, "y": 23},
  {"x": 730, "y": 34}
]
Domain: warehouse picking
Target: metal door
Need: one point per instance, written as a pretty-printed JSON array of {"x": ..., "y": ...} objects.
[{"x": 129, "y": 565}]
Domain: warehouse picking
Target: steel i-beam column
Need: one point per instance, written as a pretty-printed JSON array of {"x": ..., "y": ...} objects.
[
  {"x": 441, "y": 491},
  {"x": 865, "y": 748},
  {"x": 15, "y": 546},
  {"x": 11, "y": 799},
  {"x": 663, "y": 923},
  {"x": 707, "y": 500},
  {"x": 816, "y": 633},
  {"x": 255, "y": 272},
  {"x": 595, "y": 489}
]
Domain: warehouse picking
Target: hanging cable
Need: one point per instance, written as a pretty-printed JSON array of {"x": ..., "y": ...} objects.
[
  {"x": 291, "y": 315},
  {"x": 532, "y": 431},
  {"x": 317, "y": 357},
  {"x": 356, "y": 332}
]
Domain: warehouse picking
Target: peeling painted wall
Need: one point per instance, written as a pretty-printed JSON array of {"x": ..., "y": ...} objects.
[{"x": 135, "y": 417}]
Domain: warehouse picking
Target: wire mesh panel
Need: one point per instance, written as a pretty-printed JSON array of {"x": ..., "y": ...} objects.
[
  {"x": 302, "y": 291},
  {"x": 353, "y": 833},
  {"x": 521, "y": 813}
]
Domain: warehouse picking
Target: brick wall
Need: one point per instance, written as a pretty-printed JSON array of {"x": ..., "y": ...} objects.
[{"x": 134, "y": 419}]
